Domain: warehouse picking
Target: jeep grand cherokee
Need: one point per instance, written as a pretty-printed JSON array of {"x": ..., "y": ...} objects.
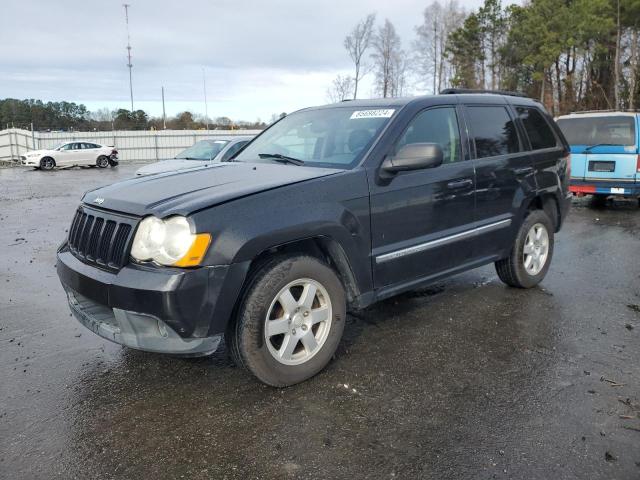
[{"x": 328, "y": 210}]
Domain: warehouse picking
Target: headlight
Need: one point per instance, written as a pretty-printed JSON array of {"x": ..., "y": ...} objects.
[{"x": 169, "y": 242}]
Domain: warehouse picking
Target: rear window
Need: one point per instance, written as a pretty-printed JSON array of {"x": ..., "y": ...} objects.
[
  {"x": 613, "y": 130},
  {"x": 493, "y": 131},
  {"x": 538, "y": 130}
]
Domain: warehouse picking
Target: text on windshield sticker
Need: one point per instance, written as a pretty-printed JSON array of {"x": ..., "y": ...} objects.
[{"x": 380, "y": 113}]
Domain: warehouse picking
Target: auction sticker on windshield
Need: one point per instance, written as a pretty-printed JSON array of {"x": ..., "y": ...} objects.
[{"x": 380, "y": 113}]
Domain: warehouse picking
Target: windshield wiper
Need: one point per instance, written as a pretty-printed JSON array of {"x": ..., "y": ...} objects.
[
  {"x": 601, "y": 145},
  {"x": 282, "y": 158}
]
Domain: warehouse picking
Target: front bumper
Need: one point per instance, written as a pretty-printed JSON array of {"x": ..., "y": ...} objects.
[
  {"x": 154, "y": 309},
  {"x": 600, "y": 187},
  {"x": 136, "y": 330},
  {"x": 30, "y": 161}
]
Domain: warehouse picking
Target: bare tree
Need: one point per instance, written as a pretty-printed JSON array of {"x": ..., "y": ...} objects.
[
  {"x": 101, "y": 115},
  {"x": 341, "y": 89},
  {"x": 357, "y": 43},
  {"x": 399, "y": 73},
  {"x": 431, "y": 43},
  {"x": 387, "y": 56}
]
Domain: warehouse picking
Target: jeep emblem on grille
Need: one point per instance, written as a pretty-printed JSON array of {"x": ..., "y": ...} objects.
[{"x": 99, "y": 200}]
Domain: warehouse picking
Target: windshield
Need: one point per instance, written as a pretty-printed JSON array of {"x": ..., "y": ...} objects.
[
  {"x": 56, "y": 147},
  {"x": 203, "y": 150},
  {"x": 329, "y": 137},
  {"x": 613, "y": 130}
]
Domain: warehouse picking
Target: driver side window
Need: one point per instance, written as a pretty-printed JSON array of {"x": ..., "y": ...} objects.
[{"x": 435, "y": 125}]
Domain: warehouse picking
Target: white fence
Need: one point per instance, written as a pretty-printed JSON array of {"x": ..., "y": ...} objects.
[{"x": 132, "y": 145}]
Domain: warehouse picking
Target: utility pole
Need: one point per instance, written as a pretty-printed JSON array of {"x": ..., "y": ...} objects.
[
  {"x": 164, "y": 115},
  {"x": 129, "y": 64},
  {"x": 206, "y": 108}
]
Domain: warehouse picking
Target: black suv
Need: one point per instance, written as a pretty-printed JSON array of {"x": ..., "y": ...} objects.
[{"x": 328, "y": 210}]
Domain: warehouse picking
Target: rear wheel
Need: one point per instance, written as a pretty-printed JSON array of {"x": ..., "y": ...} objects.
[
  {"x": 530, "y": 257},
  {"x": 102, "y": 161},
  {"x": 47, "y": 163},
  {"x": 290, "y": 321}
]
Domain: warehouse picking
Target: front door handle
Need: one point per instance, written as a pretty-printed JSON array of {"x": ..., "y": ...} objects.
[
  {"x": 467, "y": 182},
  {"x": 523, "y": 170}
]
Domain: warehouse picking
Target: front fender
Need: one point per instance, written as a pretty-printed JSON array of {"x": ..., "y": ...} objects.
[{"x": 335, "y": 208}]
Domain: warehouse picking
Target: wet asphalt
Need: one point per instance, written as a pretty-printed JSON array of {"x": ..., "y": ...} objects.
[{"x": 466, "y": 379}]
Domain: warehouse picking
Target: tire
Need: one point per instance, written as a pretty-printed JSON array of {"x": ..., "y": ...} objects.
[
  {"x": 102, "y": 161},
  {"x": 285, "y": 353},
  {"x": 520, "y": 269},
  {"x": 47, "y": 163}
]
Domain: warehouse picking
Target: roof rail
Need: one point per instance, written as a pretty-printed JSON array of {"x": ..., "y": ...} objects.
[
  {"x": 606, "y": 111},
  {"x": 455, "y": 91}
]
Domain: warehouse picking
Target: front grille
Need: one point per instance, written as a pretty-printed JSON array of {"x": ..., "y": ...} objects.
[{"x": 101, "y": 238}]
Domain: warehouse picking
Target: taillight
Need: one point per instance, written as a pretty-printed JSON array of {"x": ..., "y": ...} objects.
[
  {"x": 114, "y": 152},
  {"x": 638, "y": 164}
]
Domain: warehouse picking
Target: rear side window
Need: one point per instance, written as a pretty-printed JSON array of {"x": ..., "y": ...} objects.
[
  {"x": 611, "y": 130},
  {"x": 538, "y": 130},
  {"x": 492, "y": 130}
]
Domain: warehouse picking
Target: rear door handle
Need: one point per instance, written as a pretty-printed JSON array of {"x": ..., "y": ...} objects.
[
  {"x": 467, "y": 182},
  {"x": 523, "y": 170}
]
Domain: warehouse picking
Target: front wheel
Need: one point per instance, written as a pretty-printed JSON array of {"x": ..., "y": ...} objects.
[
  {"x": 530, "y": 257},
  {"x": 290, "y": 321},
  {"x": 102, "y": 161},
  {"x": 47, "y": 163}
]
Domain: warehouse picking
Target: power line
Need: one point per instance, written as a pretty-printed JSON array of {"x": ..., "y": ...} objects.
[{"x": 129, "y": 64}]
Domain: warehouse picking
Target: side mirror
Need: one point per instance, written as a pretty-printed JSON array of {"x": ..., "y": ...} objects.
[{"x": 414, "y": 156}]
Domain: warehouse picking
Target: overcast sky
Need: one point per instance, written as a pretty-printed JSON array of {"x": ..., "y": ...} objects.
[{"x": 260, "y": 57}]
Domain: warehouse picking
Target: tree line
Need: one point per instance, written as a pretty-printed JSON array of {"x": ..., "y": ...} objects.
[
  {"x": 570, "y": 54},
  {"x": 68, "y": 116}
]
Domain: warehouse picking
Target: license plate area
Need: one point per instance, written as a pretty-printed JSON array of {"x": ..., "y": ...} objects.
[{"x": 602, "y": 166}]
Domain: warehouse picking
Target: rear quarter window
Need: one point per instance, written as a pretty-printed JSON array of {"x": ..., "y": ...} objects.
[{"x": 537, "y": 128}]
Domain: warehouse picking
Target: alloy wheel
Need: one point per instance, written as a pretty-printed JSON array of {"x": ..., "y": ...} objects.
[
  {"x": 536, "y": 249},
  {"x": 298, "y": 321}
]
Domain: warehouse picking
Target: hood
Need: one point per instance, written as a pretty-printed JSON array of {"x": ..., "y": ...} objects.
[
  {"x": 35, "y": 152},
  {"x": 186, "y": 191},
  {"x": 169, "y": 166}
]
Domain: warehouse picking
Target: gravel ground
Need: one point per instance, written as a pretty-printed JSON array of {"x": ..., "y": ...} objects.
[{"x": 464, "y": 379}]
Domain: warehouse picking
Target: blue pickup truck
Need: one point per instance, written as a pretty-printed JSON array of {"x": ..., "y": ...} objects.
[{"x": 605, "y": 158}]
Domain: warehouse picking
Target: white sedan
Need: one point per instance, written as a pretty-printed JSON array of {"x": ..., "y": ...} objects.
[{"x": 71, "y": 154}]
